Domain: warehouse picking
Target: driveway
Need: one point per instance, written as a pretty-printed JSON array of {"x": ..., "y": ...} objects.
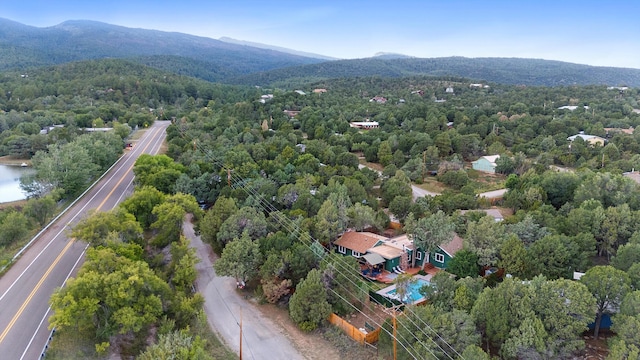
[
  {"x": 493, "y": 194},
  {"x": 417, "y": 192},
  {"x": 262, "y": 339}
]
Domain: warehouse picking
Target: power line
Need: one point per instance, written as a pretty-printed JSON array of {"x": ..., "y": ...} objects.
[
  {"x": 265, "y": 205},
  {"x": 293, "y": 229}
]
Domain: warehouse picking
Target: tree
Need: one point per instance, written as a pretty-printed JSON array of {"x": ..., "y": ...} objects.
[
  {"x": 41, "y": 209},
  {"x": 528, "y": 230},
  {"x": 96, "y": 228},
  {"x": 362, "y": 217},
  {"x": 240, "y": 259},
  {"x": 513, "y": 257},
  {"x": 68, "y": 167},
  {"x": 176, "y": 345},
  {"x": 245, "y": 219},
  {"x": 609, "y": 286},
  {"x": 607, "y": 188},
  {"x": 467, "y": 292},
  {"x": 450, "y": 333},
  {"x": 141, "y": 204},
  {"x": 384, "y": 153},
  {"x": 159, "y": 171},
  {"x": 473, "y": 352},
  {"x": 550, "y": 258},
  {"x": 397, "y": 185},
  {"x": 499, "y": 310},
  {"x": 111, "y": 295},
  {"x": 328, "y": 225},
  {"x": 182, "y": 269},
  {"x": 626, "y": 343},
  {"x": 525, "y": 341},
  {"x": 485, "y": 238},
  {"x": 13, "y": 228},
  {"x": 308, "y": 306},
  {"x": 430, "y": 232},
  {"x": 400, "y": 206},
  {"x": 627, "y": 255},
  {"x": 221, "y": 210},
  {"x": 403, "y": 283},
  {"x": 565, "y": 307},
  {"x": 341, "y": 277},
  {"x": 168, "y": 225},
  {"x": 464, "y": 264},
  {"x": 455, "y": 178},
  {"x": 274, "y": 285},
  {"x": 634, "y": 275},
  {"x": 441, "y": 291},
  {"x": 560, "y": 187}
]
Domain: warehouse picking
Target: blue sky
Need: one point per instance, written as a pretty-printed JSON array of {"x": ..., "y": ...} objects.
[{"x": 603, "y": 33}]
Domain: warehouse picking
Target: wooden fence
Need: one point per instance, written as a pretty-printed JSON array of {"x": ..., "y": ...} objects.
[{"x": 353, "y": 332}]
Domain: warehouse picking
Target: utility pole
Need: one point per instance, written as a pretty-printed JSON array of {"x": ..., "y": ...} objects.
[
  {"x": 395, "y": 339},
  {"x": 240, "y": 334},
  {"x": 424, "y": 164}
]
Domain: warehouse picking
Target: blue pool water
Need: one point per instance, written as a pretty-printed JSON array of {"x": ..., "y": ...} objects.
[{"x": 413, "y": 291}]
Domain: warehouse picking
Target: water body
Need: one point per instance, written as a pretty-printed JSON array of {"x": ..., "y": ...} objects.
[{"x": 10, "y": 182}]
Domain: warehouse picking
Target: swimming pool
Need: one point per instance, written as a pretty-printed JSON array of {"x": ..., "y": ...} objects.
[{"x": 413, "y": 291}]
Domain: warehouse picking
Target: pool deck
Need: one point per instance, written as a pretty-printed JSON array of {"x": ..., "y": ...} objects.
[{"x": 387, "y": 277}]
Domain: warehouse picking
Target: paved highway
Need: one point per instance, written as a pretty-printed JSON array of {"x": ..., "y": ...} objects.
[{"x": 26, "y": 287}]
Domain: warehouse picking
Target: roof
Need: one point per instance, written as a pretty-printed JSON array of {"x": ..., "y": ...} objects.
[
  {"x": 633, "y": 175},
  {"x": 358, "y": 241},
  {"x": 494, "y": 213},
  {"x": 490, "y": 158},
  {"x": 401, "y": 242},
  {"x": 453, "y": 246},
  {"x": 571, "y": 107},
  {"x": 585, "y": 137},
  {"x": 373, "y": 258},
  {"x": 628, "y": 131},
  {"x": 386, "y": 251}
]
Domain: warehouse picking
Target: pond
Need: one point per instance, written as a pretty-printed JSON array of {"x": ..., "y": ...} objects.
[{"x": 10, "y": 182}]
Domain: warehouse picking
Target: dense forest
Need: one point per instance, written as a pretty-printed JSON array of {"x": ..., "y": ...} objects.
[
  {"x": 514, "y": 71},
  {"x": 575, "y": 220},
  {"x": 282, "y": 178}
]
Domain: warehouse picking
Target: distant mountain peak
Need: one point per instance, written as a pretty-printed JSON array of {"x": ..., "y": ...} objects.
[
  {"x": 389, "y": 55},
  {"x": 276, "y": 48}
]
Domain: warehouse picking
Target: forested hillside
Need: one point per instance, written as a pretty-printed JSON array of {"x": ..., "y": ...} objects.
[
  {"x": 25, "y": 46},
  {"x": 513, "y": 71}
]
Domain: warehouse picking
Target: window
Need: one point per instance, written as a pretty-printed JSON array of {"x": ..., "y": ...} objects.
[
  {"x": 355, "y": 253},
  {"x": 418, "y": 255},
  {"x": 342, "y": 250},
  {"x": 439, "y": 258}
]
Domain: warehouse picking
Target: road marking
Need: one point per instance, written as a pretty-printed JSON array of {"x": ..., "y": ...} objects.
[
  {"x": 121, "y": 179},
  {"x": 35, "y": 289},
  {"x": 55, "y": 262}
]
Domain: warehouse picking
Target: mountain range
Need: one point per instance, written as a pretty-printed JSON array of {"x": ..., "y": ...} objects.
[{"x": 239, "y": 62}]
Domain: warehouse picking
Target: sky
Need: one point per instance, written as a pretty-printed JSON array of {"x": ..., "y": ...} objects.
[{"x": 600, "y": 33}]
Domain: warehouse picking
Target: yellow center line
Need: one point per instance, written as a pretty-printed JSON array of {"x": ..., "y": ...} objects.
[
  {"x": 55, "y": 262},
  {"x": 121, "y": 179},
  {"x": 28, "y": 300}
]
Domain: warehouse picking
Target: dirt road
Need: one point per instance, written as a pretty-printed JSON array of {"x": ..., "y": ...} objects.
[{"x": 262, "y": 339}]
